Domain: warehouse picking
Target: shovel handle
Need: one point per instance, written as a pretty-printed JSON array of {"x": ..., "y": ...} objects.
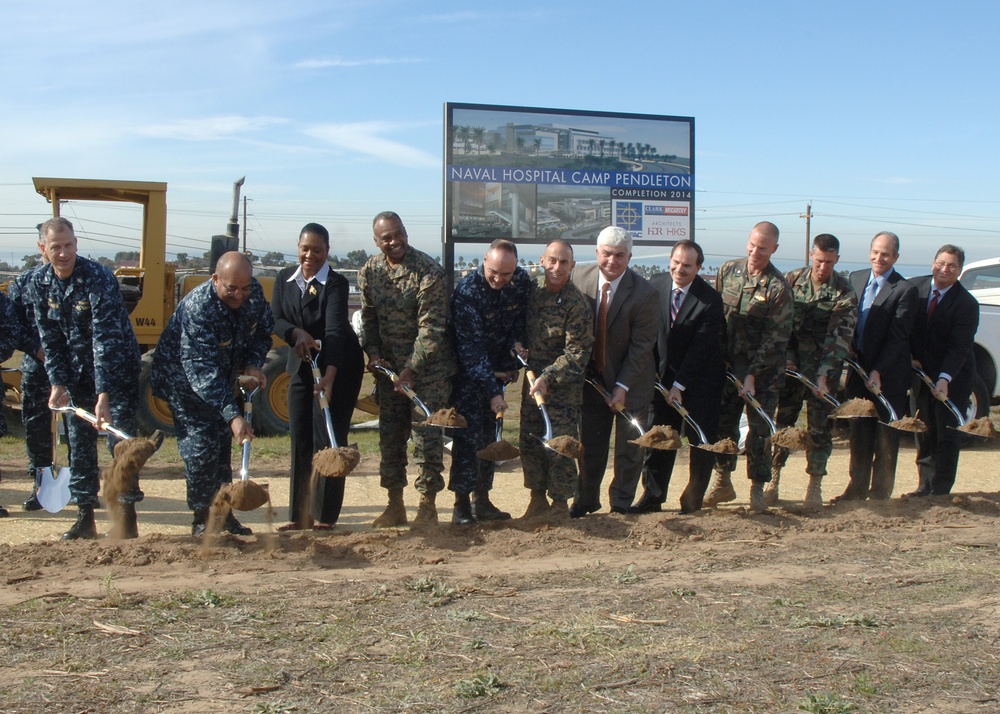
[
  {"x": 91, "y": 419},
  {"x": 873, "y": 389},
  {"x": 813, "y": 386},
  {"x": 538, "y": 396},
  {"x": 324, "y": 403},
  {"x": 940, "y": 397},
  {"x": 753, "y": 402}
]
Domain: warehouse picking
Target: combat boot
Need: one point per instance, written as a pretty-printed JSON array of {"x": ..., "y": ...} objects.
[
  {"x": 538, "y": 505},
  {"x": 395, "y": 513},
  {"x": 757, "y": 504},
  {"x": 462, "y": 515},
  {"x": 771, "y": 490},
  {"x": 200, "y": 522},
  {"x": 427, "y": 514},
  {"x": 722, "y": 490},
  {"x": 85, "y": 528},
  {"x": 32, "y": 503},
  {"x": 129, "y": 523},
  {"x": 559, "y": 510},
  {"x": 814, "y": 494},
  {"x": 484, "y": 510},
  {"x": 231, "y": 525}
]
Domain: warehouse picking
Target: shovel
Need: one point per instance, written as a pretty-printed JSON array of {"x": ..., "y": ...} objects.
[
  {"x": 53, "y": 490},
  {"x": 132, "y": 452},
  {"x": 791, "y": 438},
  {"x": 246, "y": 495},
  {"x": 336, "y": 461},
  {"x": 500, "y": 450},
  {"x": 962, "y": 421},
  {"x": 894, "y": 421},
  {"x": 685, "y": 415},
  {"x": 563, "y": 445},
  {"x": 814, "y": 387},
  {"x": 394, "y": 378}
]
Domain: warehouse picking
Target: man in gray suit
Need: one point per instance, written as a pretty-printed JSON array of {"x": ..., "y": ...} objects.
[{"x": 626, "y": 321}]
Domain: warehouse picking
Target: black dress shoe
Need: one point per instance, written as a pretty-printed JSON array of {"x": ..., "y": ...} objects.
[
  {"x": 32, "y": 503},
  {"x": 919, "y": 493},
  {"x": 644, "y": 506},
  {"x": 939, "y": 492},
  {"x": 3, "y": 512},
  {"x": 619, "y": 509},
  {"x": 579, "y": 510}
]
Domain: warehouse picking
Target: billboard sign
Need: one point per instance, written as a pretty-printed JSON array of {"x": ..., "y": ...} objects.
[{"x": 533, "y": 175}]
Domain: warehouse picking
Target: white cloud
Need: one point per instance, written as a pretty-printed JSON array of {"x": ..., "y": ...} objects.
[
  {"x": 338, "y": 62},
  {"x": 210, "y": 128},
  {"x": 366, "y": 138}
]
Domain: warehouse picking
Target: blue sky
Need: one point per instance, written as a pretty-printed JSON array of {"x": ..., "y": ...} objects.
[{"x": 883, "y": 115}]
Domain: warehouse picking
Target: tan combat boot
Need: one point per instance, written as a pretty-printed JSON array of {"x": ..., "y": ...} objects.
[
  {"x": 427, "y": 514},
  {"x": 559, "y": 511},
  {"x": 722, "y": 490},
  {"x": 757, "y": 504},
  {"x": 814, "y": 494},
  {"x": 771, "y": 490},
  {"x": 395, "y": 513},
  {"x": 538, "y": 505}
]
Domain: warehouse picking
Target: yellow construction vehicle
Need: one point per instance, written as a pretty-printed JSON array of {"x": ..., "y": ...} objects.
[{"x": 151, "y": 292}]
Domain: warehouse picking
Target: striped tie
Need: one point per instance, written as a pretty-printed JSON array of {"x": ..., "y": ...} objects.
[{"x": 675, "y": 304}]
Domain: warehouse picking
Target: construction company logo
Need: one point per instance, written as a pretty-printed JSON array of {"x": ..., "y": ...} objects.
[
  {"x": 628, "y": 215},
  {"x": 145, "y": 322},
  {"x": 660, "y": 209}
]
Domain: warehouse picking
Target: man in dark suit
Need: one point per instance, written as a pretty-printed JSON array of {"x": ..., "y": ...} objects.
[
  {"x": 941, "y": 344},
  {"x": 627, "y": 315},
  {"x": 689, "y": 363},
  {"x": 310, "y": 304},
  {"x": 887, "y": 303}
]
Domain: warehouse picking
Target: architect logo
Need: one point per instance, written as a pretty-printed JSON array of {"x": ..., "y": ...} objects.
[{"x": 628, "y": 215}]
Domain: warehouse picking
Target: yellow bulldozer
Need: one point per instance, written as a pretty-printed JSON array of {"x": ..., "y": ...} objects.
[{"x": 152, "y": 290}]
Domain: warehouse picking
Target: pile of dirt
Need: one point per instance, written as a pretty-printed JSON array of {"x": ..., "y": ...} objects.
[
  {"x": 854, "y": 408},
  {"x": 242, "y": 496},
  {"x": 566, "y": 445},
  {"x": 121, "y": 476},
  {"x": 446, "y": 417},
  {"x": 909, "y": 423},
  {"x": 335, "y": 463},
  {"x": 980, "y": 427},
  {"x": 723, "y": 446},
  {"x": 793, "y": 439},
  {"x": 499, "y": 451},
  {"x": 664, "y": 438}
]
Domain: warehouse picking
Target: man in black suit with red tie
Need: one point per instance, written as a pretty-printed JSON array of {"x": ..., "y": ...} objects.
[
  {"x": 688, "y": 363},
  {"x": 887, "y": 305},
  {"x": 941, "y": 344}
]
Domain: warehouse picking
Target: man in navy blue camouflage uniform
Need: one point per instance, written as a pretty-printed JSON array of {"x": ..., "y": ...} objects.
[
  {"x": 221, "y": 328},
  {"x": 487, "y": 318},
  {"x": 92, "y": 360},
  {"x": 11, "y": 334},
  {"x": 35, "y": 387}
]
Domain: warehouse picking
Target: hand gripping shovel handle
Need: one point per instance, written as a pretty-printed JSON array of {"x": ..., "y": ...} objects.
[
  {"x": 248, "y": 415},
  {"x": 752, "y": 401},
  {"x": 940, "y": 397},
  {"x": 90, "y": 418},
  {"x": 685, "y": 414},
  {"x": 539, "y": 398},
  {"x": 805, "y": 380},
  {"x": 406, "y": 389},
  {"x": 618, "y": 407},
  {"x": 323, "y": 401},
  {"x": 874, "y": 390}
]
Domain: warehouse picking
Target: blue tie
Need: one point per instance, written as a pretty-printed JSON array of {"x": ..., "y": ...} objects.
[
  {"x": 866, "y": 303},
  {"x": 675, "y": 304}
]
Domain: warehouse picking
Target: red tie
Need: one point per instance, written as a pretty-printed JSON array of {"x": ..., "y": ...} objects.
[
  {"x": 600, "y": 335},
  {"x": 932, "y": 305}
]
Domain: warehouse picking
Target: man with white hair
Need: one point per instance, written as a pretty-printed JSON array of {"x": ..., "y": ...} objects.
[{"x": 626, "y": 320}]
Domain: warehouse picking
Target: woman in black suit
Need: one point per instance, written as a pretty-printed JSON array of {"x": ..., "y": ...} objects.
[{"x": 310, "y": 304}]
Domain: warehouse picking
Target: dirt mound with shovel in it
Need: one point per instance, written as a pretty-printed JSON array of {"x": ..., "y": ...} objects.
[
  {"x": 723, "y": 446},
  {"x": 499, "y": 451},
  {"x": 446, "y": 417},
  {"x": 854, "y": 408},
  {"x": 664, "y": 438},
  {"x": 793, "y": 439},
  {"x": 979, "y": 427},
  {"x": 334, "y": 463},
  {"x": 566, "y": 445},
  {"x": 909, "y": 423}
]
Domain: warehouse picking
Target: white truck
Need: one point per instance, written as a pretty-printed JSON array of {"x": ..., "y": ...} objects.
[{"x": 982, "y": 278}]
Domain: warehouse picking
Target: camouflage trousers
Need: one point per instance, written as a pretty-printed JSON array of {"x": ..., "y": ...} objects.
[
  {"x": 37, "y": 420},
  {"x": 793, "y": 394},
  {"x": 395, "y": 427},
  {"x": 84, "y": 480},
  {"x": 469, "y": 472},
  {"x": 758, "y": 450},
  {"x": 544, "y": 469},
  {"x": 205, "y": 443}
]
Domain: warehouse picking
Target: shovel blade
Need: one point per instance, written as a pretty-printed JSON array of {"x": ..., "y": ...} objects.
[{"x": 53, "y": 493}]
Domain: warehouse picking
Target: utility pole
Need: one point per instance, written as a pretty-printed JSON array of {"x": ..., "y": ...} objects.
[
  {"x": 245, "y": 225},
  {"x": 807, "y": 215}
]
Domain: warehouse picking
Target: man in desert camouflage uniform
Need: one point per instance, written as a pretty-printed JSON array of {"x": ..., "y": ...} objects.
[
  {"x": 404, "y": 306},
  {"x": 826, "y": 310},
  {"x": 758, "y": 322},
  {"x": 559, "y": 338},
  {"x": 486, "y": 320},
  {"x": 92, "y": 360},
  {"x": 221, "y": 328}
]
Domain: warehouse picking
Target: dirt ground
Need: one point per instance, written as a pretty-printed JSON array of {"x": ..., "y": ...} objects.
[{"x": 888, "y": 606}]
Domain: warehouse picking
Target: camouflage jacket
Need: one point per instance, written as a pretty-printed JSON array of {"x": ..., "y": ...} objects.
[
  {"x": 484, "y": 324},
  {"x": 84, "y": 326},
  {"x": 11, "y": 328},
  {"x": 206, "y": 344},
  {"x": 823, "y": 325},
  {"x": 559, "y": 338},
  {"x": 404, "y": 310},
  {"x": 19, "y": 292},
  {"x": 758, "y": 322}
]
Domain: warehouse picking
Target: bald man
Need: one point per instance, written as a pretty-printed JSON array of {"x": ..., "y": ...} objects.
[{"x": 220, "y": 329}]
